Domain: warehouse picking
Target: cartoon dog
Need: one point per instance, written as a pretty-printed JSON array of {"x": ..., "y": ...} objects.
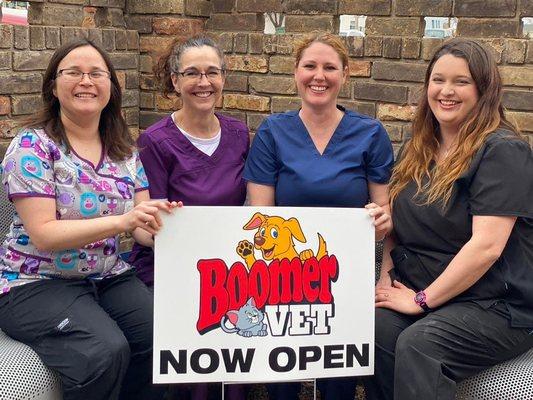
[{"x": 274, "y": 238}]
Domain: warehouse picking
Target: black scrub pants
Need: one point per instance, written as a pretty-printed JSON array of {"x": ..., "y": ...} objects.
[
  {"x": 97, "y": 335},
  {"x": 424, "y": 357}
]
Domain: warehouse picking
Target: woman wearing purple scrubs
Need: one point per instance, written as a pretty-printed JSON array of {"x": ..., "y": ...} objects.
[{"x": 193, "y": 155}]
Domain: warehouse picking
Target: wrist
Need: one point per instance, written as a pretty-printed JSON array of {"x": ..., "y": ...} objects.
[{"x": 420, "y": 300}]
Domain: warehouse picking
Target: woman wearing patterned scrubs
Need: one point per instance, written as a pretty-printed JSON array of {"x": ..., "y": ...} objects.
[
  {"x": 77, "y": 183},
  {"x": 321, "y": 156}
]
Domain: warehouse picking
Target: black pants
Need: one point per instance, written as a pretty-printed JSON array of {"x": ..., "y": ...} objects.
[
  {"x": 96, "y": 334},
  {"x": 424, "y": 357}
]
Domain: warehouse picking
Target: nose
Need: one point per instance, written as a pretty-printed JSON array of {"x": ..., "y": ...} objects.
[
  {"x": 319, "y": 74},
  {"x": 86, "y": 80},
  {"x": 448, "y": 90},
  {"x": 259, "y": 240}
]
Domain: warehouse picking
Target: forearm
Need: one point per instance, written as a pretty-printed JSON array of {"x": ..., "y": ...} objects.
[
  {"x": 60, "y": 235},
  {"x": 143, "y": 238},
  {"x": 466, "y": 268}
]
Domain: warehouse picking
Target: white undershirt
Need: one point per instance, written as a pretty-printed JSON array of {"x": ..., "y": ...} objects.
[{"x": 207, "y": 146}]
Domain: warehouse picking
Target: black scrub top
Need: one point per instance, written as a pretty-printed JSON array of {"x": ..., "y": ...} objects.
[{"x": 499, "y": 182}]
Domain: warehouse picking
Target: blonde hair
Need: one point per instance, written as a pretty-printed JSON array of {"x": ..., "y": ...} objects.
[
  {"x": 486, "y": 117},
  {"x": 334, "y": 41}
]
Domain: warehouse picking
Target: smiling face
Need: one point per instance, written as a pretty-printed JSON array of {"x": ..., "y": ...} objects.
[
  {"x": 199, "y": 94},
  {"x": 83, "y": 98},
  {"x": 452, "y": 92},
  {"x": 319, "y": 75}
]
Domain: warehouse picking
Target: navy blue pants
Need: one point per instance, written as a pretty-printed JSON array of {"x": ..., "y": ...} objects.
[{"x": 97, "y": 335}]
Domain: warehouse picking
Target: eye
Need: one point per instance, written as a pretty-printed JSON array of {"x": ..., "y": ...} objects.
[
  {"x": 274, "y": 233},
  {"x": 308, "y": 66},
  {"x": 331, "y": 68},
  {"x": 262, "y": 231},
  {"x": 214, "y": 73},
  {"x": 436, "y": 79},
  {"x": 98, "y": 74},
  {"x": 191, "y": 73},
  {"x": 72, "y": 73}
]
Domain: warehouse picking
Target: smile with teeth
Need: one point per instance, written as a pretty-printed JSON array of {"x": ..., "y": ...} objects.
[
  {"x": 448, "y": 103},
  {"x": 318, "y": 88},
  {"x": 85, "y": 95},
  {"x": 203, "y": 94}
]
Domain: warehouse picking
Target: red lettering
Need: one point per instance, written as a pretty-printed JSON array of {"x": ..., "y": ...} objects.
[
  {"x": 310, "y": 278},
  {"x": 259, "y": 283},
  {"x": 213, "y": 294},
  {"x": 237, "y": 286},
  {"x": 329, "y": 272}
]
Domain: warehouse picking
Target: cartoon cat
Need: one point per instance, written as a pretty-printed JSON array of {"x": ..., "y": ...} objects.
[{"x": 248, "y": 320}]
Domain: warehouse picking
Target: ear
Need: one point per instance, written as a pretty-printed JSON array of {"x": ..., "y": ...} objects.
[
  {"x": 255, "y": 222},
  {"x": 345, "y": 75},
  {"x": 233, "y": 316},
  {"x": 294, "y": 227},
  {"x": 251, "y": 302},
  {"x": 175, "y": 82}
]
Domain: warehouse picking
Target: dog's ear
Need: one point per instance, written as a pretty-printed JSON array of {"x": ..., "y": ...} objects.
[
  {"x": 294, "y": 227},
  {"x": 255, "y": 222}
]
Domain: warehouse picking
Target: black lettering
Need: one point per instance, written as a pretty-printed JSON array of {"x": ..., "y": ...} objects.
[
  {"x": 352, "y": 351},
  {"x": 308, "y": 354},
  {"x": 166, "y": 357},
  {"x": 238, "y": 359},
  {"x": 213, "y": 364},
  {"x": 273, "y": 359},
  {"x": 330, "y": 357}
]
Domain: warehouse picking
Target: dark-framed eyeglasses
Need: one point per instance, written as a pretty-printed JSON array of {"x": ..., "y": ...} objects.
[
  {"x": 212, "y": 74},
  {"x": 75, "y": 75}
]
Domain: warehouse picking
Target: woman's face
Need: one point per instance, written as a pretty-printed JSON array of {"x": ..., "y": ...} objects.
[
  {"x": 83, "y": 97},
  {"x": 452, "y": 93},
  {"x": 319, "y": 75},
  {"x": 200, "y": 78}
]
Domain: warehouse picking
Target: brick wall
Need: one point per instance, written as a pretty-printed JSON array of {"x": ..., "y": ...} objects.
[
  {"x": 387, "y": 66},
  {"x": 26, "y": 50}
]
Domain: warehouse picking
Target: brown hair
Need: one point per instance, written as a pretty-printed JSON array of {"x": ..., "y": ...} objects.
[
  {"x": 327, "y": 38},
  {"x": 168, "y": 63},
  {"x": 114, "y": 132},
  {"x": 486, "y": 117}
]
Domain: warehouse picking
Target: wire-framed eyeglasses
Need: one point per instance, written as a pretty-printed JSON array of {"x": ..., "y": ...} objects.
[
  {"x": 211, "y": 74},
  {"x": 75, "y": 75}
]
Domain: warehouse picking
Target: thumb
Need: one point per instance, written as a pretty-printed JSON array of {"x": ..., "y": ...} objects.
[{"x": 398, "y": 284}]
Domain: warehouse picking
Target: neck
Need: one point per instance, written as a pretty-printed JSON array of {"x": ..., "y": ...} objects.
[
  {"x": 320, "y": 115},
  {"x": 202, "y": 125},
  {"x": 81, "y": 130},
  {"x": 448, "y": 135}
]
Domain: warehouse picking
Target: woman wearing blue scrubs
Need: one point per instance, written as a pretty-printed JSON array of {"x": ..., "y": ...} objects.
[{"x": 321, "y": 156}]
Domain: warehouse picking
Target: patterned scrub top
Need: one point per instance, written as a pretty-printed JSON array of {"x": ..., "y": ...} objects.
[{"x": 35, "y": 166}]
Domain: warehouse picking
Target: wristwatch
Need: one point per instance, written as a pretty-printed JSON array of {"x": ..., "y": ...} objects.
[{"x": 420, "y": 299}]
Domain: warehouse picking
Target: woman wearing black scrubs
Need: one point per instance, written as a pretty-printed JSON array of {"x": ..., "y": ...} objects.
[{"x": 460, "y": 296}]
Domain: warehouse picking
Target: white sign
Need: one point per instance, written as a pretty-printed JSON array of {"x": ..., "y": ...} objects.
[{"x": 247, "y": 294}]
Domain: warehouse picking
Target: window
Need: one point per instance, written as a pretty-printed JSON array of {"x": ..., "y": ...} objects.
[
  {"x": 14, "y": 12},
  {"x": 440, "y": 27},
  {"x": 527, "y": 27},
  {"x": 274, "y": 23},
  {"x": 352, "y": 25}
]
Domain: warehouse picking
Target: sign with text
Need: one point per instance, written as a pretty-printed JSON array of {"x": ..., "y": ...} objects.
[{"x": 248, "y": 294}]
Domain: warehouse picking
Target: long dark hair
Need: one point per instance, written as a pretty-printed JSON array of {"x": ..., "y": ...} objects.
[
  {"x": 486, "y": 117},
  {"x": 113, "y": 129}
]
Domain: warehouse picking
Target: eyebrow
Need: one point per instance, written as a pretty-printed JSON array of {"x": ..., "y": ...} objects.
[{"x": 458, "y": 76}]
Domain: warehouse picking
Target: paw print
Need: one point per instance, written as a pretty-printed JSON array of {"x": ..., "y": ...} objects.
[
  {"x": 245, "y": 248},
  {"x": 306, "y": 254}
]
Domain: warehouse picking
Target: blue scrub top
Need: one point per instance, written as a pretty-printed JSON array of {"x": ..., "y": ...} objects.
[{"x": 283, "y": 155}]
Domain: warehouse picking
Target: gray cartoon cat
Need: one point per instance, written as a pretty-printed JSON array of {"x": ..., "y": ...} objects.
[{"x": 248, "y": 320}]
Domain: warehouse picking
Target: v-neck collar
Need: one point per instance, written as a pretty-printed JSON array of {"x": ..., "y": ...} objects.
[
  {"x": 192, "y": 149},
  {"x": 333, "y": 140}
]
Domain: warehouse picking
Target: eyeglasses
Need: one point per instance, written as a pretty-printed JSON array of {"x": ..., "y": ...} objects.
[
  {"x": 211, "y": 75},
  {"x": 74, "y": 75}
]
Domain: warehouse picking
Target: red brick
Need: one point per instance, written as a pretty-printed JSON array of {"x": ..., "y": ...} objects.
[
  {"x": 183, "y": 27},
  {"x": 5, "y": 105}
]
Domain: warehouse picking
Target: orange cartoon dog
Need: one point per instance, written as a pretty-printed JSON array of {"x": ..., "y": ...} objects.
[{"x": 274, "y": 238}]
